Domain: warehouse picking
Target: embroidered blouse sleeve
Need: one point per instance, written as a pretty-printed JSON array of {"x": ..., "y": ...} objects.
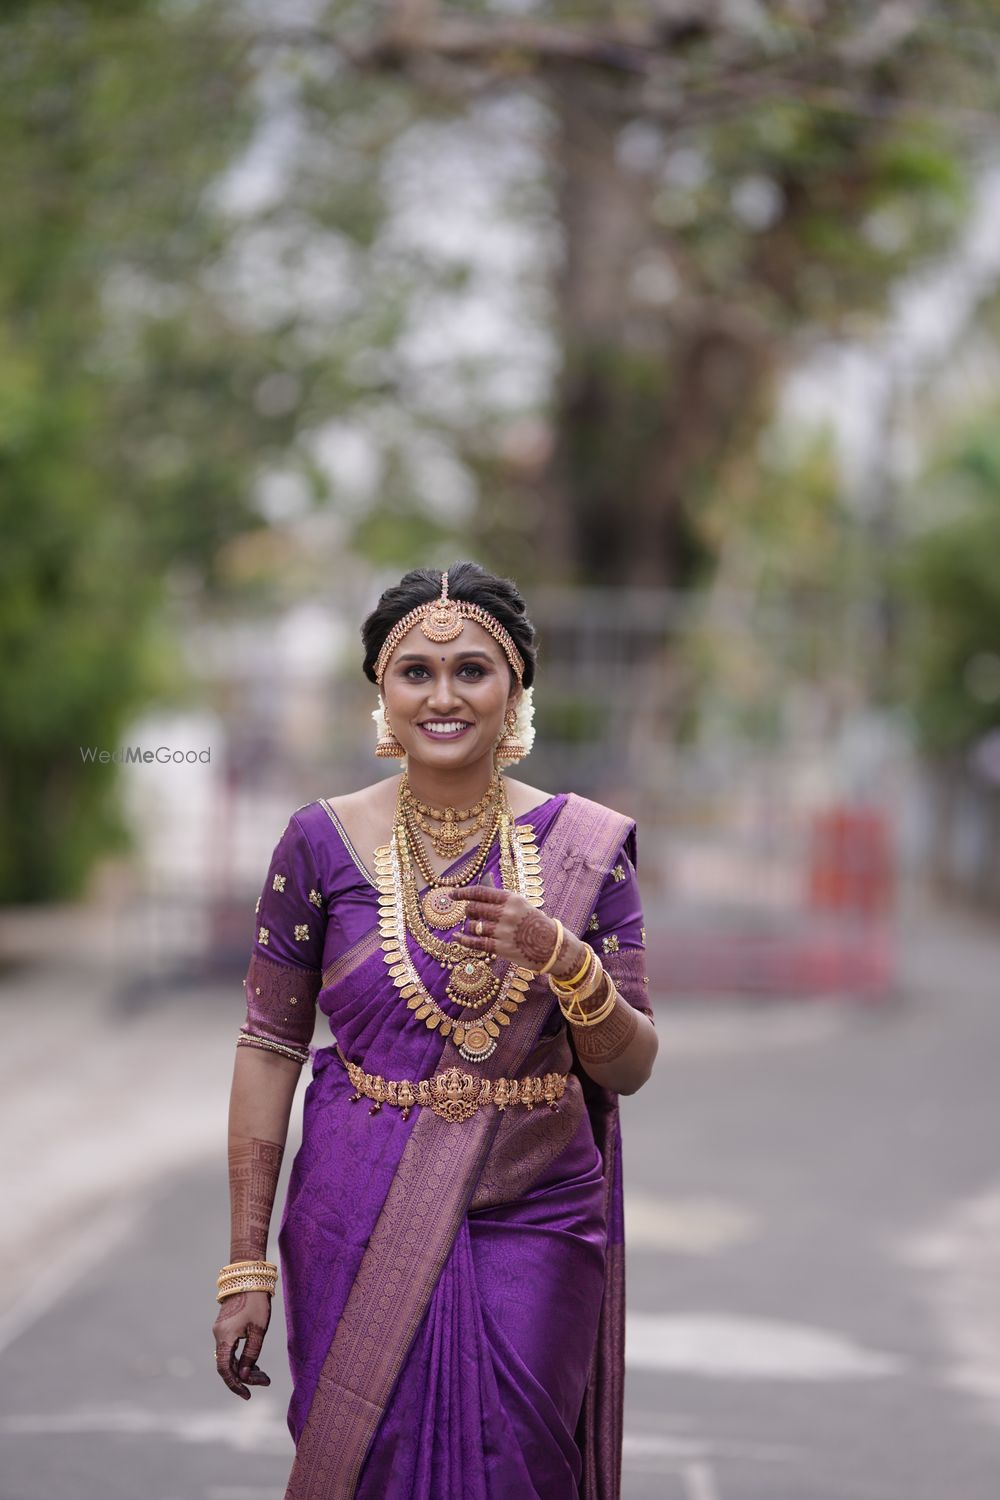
[
  {"x": 617, "y": 927},
  {"x": 285, "y": 972}
]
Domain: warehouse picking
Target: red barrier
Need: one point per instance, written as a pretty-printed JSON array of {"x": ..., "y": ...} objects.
[{"x": 851, "y": 863}]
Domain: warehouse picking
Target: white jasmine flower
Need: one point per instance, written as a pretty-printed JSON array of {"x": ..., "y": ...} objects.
[{"x": 524, "y": 726}]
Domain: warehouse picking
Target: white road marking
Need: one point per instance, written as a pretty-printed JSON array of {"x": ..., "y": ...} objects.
[
  {"x": 251, "y": 1429},
  {"x": 82, "y": 1250},
  {"x": 961, "y": 1257},
  {"x": 699, "y": 1482},
  {"x": 687, "y": 1226},
  {"x": 725, "y": 1347}
]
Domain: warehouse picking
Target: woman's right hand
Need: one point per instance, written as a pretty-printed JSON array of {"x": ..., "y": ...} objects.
[{"x": 244, "y": 1315}]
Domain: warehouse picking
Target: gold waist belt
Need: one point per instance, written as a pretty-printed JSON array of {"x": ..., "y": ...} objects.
[{"x": 454, "y": 1095}]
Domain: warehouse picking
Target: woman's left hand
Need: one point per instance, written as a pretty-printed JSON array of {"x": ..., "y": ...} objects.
[{"x": 511, "y": 927}]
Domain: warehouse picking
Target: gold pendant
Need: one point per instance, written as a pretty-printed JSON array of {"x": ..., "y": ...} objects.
[
  {"x": 450, "y": 839},
  {"x": 442, "y": 910},
  {"x": 477, "y": 1044},
  {"x": 471, "y": 980}
]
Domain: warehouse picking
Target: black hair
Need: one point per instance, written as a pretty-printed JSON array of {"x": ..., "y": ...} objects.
[{"x": 467, "y": 581}]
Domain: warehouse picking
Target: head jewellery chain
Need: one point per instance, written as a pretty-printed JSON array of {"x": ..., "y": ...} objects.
[{"x": 442, "y": 619}]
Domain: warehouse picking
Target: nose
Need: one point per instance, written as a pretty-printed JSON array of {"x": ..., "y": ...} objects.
[{"x": 442, "y": 696}]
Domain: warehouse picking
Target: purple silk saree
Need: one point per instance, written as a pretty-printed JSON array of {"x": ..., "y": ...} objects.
[{"x": 454, "y": 1291}]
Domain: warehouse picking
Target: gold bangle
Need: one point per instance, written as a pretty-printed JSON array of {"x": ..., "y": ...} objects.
[
  {"x": 243, "y": 1268},
  {"x": 225, "y": 1292},
  {"x": 579, "y": 978},
  {"x": 571, "y": 984},
  {"x": 582, "y": 991},
  {"x": 555, "y": 951},
  {"x": 577, "y": 1016}
]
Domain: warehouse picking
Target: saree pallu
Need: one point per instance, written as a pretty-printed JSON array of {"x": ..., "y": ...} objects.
[{"x": 454, "y": 1291}]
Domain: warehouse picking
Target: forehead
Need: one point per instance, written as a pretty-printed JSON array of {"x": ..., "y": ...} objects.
[{"x": 472, "y": 639}]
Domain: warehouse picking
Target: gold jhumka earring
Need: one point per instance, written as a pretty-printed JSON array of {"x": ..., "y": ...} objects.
[
  {"x": 387, "y": 747},
  {"x": 509, "y": 748}
]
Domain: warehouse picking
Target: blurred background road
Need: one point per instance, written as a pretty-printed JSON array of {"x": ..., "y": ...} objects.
[
  {"x": 687, "y": 318},
  {"x": 813, "y": 1204}
]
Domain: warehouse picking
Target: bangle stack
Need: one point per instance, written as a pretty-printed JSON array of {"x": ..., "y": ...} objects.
[
  {"x": 246, "y": 1276},
  {"x": 581, "y": 986}
]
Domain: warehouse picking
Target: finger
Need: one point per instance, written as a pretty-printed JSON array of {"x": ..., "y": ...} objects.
[
  {"x": 481, "y": 944},
  {"x": 479, "y": 926},
  {"x": 225, "y": 1363},
  {"x": 248, "y": 1367},
  {"x": 489, "y": 895},
  {"x": 485, "y": 906}
]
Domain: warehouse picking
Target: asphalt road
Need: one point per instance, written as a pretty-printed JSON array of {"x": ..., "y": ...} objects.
[{"x": 814, "y": 1248}]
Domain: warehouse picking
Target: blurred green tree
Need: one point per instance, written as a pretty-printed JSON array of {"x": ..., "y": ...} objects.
[
  {"x": 949, "y": 580},
  {"x": 207, "y": 262},
  {"x": 724, "y": 184},
  {"x": 139, "y": 397}
]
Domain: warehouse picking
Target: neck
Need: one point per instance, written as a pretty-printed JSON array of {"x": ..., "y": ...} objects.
[{"x": 461, "y": 787}]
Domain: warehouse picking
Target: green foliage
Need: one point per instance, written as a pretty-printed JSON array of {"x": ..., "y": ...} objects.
[
  {"x": 789, "y": 579},
  {"x": 159, "y": 351},
  {"x": 950, "y": 579},
  {"x": 123, "y": 453}
]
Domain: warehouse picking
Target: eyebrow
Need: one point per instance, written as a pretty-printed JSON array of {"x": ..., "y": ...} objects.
[{"x": 459, "y": 655}]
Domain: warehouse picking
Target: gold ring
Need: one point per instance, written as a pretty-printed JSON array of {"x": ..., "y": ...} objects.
[{"x": 479, "y": 928}]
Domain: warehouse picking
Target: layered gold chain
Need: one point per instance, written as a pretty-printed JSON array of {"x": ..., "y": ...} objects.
[
  {"x": 472, "y": 982},
  {"x": 440, "y": 909},
  {"x": 443, "y": 825}
]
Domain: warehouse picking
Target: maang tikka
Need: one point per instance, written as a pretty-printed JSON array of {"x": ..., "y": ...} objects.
[{"x": 442, "y": 619}]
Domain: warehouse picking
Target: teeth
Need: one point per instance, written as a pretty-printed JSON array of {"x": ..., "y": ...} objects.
[{"x": 450, "y": 728}]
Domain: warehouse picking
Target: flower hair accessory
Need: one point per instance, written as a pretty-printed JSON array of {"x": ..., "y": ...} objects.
[{"x": 524, "y": 724}]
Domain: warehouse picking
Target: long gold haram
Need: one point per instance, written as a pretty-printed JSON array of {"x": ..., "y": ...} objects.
[{"x": 475, "y": 1040}]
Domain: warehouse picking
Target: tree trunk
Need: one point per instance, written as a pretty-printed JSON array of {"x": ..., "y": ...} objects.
[{"x": 650, "y": 403}]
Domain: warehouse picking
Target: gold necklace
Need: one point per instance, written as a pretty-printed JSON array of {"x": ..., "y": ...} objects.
[
  {"x": 449, "y": 838},
  {"x": 475, "y": 1040},
  {"x": 439, "y": 813},
  {"x": 440, "y": 909},
  {"x": 471, "y": 981}
]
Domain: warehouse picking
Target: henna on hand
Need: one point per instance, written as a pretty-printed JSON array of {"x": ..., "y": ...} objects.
[
  {"x": 570, "y": 957},
  {"x": 535, "y": 936},
  {"x": 607, "y": 1040},
  {"x": 254, "y": 1168},
  {"x": 244, "y": 1315}
]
